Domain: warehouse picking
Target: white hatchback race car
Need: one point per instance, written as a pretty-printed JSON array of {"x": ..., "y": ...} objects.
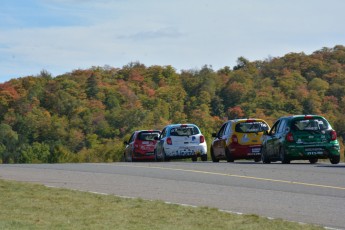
[{"x": 178, "y": 141}]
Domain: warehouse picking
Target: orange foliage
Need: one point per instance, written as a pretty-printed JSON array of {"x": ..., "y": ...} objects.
[
  {"x": 136, "y": 77},
  {"x": 8, "y": 92},
  {"x": 96, "y": 104},
  {"x": 235, "y": 112}
]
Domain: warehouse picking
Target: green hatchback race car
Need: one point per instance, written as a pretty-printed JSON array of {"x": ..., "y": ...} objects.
[{"x": 300, "y": 137}]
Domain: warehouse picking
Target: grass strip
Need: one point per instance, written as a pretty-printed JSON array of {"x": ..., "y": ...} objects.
[{"x": 32, "y": 206}]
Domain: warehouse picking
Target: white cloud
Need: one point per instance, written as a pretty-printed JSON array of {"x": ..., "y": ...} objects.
[{"x": 71, "y": 34}]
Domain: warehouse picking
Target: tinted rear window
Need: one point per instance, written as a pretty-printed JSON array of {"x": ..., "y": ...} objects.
[
  {"x": 251, "y": 127},
  {"x": 184, "y": 131},
  {"x": 145, "y": 136},
  {"x": 310, "y": 124}
]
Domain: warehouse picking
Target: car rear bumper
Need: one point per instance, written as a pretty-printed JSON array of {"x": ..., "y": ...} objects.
[
  {"x": 307, "y": 152},
  {"x": 185, "y": 152},
  {"x": 143, "y": 156},
  {"x": 245, "y": 151}
]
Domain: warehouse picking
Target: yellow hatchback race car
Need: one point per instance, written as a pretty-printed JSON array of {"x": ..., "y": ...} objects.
[{"x": 239, "y": 139}]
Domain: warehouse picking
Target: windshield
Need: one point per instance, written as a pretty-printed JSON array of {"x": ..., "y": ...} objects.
[
  {"x": 251, "y": 127},
  {"x": 310, "y": 125},
  {"x": 184, "y": 131},
  {"x": 148, "y": 136}
]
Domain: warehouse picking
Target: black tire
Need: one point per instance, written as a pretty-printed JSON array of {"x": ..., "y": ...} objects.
[
  {"x": 257, "y": 159},
  {"x": 194, "y": 158},
  {"x": 164, "y": 157},
  {"x": 313, "y": 160},
  {"x": 213, "y": 157},
  {"x": 228, "y": 156},
  {"x": 204, "y": 157},
  {"x": 283, "y": 157},
  {"x": 264, "y": 158},
  {"x": 156, "y": 157},
  {"x": 334, "y": 160}
]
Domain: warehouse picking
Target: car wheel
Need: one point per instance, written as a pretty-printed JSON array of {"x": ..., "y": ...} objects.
[
  {"x": 283, "y": 157},
  {"x": 204, "y": 157},
  {"x": 194, "y": 158},
  {"x": 156, "y": 157},
  {"x": 213, "y": 157},
  {"x": 264, "y": 158},
  {"x": 164, "y": 156},
  {"x": 335, "y": 159},
  {"x": 257, "y": 159},
  {"x": 313, "y": 160},
  {"x": 228, "y": 156}
]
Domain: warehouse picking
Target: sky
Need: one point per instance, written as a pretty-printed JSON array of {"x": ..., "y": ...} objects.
[{"x": 60, "y": 36}]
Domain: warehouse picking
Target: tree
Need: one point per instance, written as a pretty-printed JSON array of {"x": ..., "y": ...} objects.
[
  {"x": 8, "y": 144},
  {"x": 318, "y": 85},
  {"x": 92, "y": 86}
]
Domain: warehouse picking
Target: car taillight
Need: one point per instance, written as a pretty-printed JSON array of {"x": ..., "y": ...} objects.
[
  {"x": 333, "y": 135},
  {"x": 169, "y": 141},
  {"x": 289, "y": 137},
  {"x": 308, "y": 117},
  {"x": 234, "y": 139},
  {"x": 202, "y": 139}
]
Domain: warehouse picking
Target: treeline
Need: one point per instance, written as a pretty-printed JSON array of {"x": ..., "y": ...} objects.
[{"x": 85, "y": 115}]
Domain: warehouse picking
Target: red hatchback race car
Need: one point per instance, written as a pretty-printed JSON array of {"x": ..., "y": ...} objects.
[{"x": 141, "y": 145}]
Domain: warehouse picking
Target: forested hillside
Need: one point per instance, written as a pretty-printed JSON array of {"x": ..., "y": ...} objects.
[{"x": 85, "y": 115}]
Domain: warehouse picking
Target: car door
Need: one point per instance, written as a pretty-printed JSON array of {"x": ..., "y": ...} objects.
[
  {"x": 279, "y": 137},
  {"x": 160, "y": 142},
  {"x": 271, "y": 139},
  {"x": 130, "y": 147},
  {"x": 220, "y": 141}
]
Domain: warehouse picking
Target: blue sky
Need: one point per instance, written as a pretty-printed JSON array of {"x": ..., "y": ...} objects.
[{"x": 60, "y": 36}]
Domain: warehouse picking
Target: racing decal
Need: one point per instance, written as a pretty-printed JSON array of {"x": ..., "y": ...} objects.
[{"x": 245, "y": 138}]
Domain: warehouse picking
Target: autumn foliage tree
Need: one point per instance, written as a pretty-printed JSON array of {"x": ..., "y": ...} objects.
[{"x": 85, "y": 115}]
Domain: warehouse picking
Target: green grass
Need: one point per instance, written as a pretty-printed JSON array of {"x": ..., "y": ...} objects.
[{"x": 31, "y": 206}]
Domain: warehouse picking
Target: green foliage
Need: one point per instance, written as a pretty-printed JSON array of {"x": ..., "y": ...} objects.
[
  {"x": 35, "y": 153},
  {"x": 8, "y": 143},
  {"x": 84, "y": 116}
]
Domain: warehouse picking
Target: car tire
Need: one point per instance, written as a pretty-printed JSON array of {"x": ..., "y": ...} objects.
[
  {"x": 228, "y": 156},
  {"x": 194, "y": 158},
  {"x": 264, "y": 158},
  {"x": 283, "y": 157},
  {"x": 204, "y": 157},
  {"x": 335, "y": 159},
  {"x": 156, "y": 157},
  {"x": 257, "y": 159},
  {"x": 164, "y": 156},
  {"x": 313, "y": 160},
  {"x": 213, "y": 157}
]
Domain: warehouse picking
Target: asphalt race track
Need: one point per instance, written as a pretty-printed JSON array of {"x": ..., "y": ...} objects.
[{"x": 300, "y": 192}]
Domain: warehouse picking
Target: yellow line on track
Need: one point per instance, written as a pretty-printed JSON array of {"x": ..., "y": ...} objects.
[{"x": 238, "y": 176}]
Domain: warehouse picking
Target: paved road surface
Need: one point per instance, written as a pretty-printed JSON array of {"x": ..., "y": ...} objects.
[{"x": 297, "y": 192}]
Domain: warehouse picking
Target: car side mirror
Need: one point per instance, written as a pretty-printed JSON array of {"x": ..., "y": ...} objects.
[
  {"x": 266, "y": 132},
  {"x": 214, "y": 134},
  {"x": 125, "y": 142},
  {"x": 156, "y": 138}
]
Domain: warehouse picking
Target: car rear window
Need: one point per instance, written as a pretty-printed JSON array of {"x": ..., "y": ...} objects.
[
  {"x": 148, "y": 136},
  {"x": 251, "y": 127},
  {"x": 184, "y": 131},
  {"x": 315, "y": 124}
]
